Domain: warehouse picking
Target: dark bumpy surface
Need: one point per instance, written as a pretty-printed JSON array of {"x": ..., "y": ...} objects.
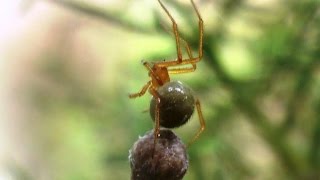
[
  {"x": 168, "y": 161},
  {"x": 176, "y": 104}
]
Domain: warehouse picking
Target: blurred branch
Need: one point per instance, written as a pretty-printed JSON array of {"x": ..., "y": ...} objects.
[
  {"x": 100, "y": 14},
  {"x": 314, "y": 155},
  {"x": 298, "y": 97},
  {"x": 304, "y": 77}
]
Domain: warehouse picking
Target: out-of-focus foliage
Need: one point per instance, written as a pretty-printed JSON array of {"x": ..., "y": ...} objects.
[{"x": 258, "y": 83}]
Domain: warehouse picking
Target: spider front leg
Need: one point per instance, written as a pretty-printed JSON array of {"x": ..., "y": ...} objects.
[
  {"x": 175, "y": 32},
  {"x": 200, "y": 31},
  {"x": 191, "y": 60}
]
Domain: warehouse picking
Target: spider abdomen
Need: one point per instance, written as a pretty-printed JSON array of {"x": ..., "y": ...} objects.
[{"x": 176, "y": 104}]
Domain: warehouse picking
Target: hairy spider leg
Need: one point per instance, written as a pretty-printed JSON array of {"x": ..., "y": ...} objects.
[
  {"x": 202, "y": 124},
  {"x": 189, "y": 60}
]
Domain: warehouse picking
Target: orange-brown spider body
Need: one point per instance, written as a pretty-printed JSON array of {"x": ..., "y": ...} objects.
[
  {"x": 159, "y": 76},
  {"x": 159, "y": 86}
]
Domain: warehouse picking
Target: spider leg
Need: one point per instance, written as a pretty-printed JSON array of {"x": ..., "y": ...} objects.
[
  {"x": 191, "y": 60},
  {"x": 184, "y": 69},
  {"x": 202, "y": 123},
  {"x": 189, "y": 52},
  {"x": 156, "y": 95},
  {"x": 200, "y": 30},
  {"x": 147, "y": 65},
  {"x": 175, "y": 31},
  {"x": 187, "y": 46},
  {"x": 183, "y": 41},
  {"x": 142, "y": 91}
]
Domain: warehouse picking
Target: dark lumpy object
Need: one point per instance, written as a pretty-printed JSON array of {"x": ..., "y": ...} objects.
[
  {"x": 176, "y": 104},
  {"x": 167, "y": 160}
]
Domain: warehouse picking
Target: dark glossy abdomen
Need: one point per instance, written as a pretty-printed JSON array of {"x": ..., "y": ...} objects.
[{"x": 176, "y": 104}]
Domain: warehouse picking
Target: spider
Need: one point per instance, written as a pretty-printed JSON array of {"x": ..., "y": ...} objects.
[{"x": 173, "y": 103}]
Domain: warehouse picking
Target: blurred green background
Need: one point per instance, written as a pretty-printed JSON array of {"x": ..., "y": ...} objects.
[{"x": 67, "y": 68}]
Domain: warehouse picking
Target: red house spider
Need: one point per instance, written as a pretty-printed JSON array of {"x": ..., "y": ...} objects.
[{"x": 173, "y": 103}]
